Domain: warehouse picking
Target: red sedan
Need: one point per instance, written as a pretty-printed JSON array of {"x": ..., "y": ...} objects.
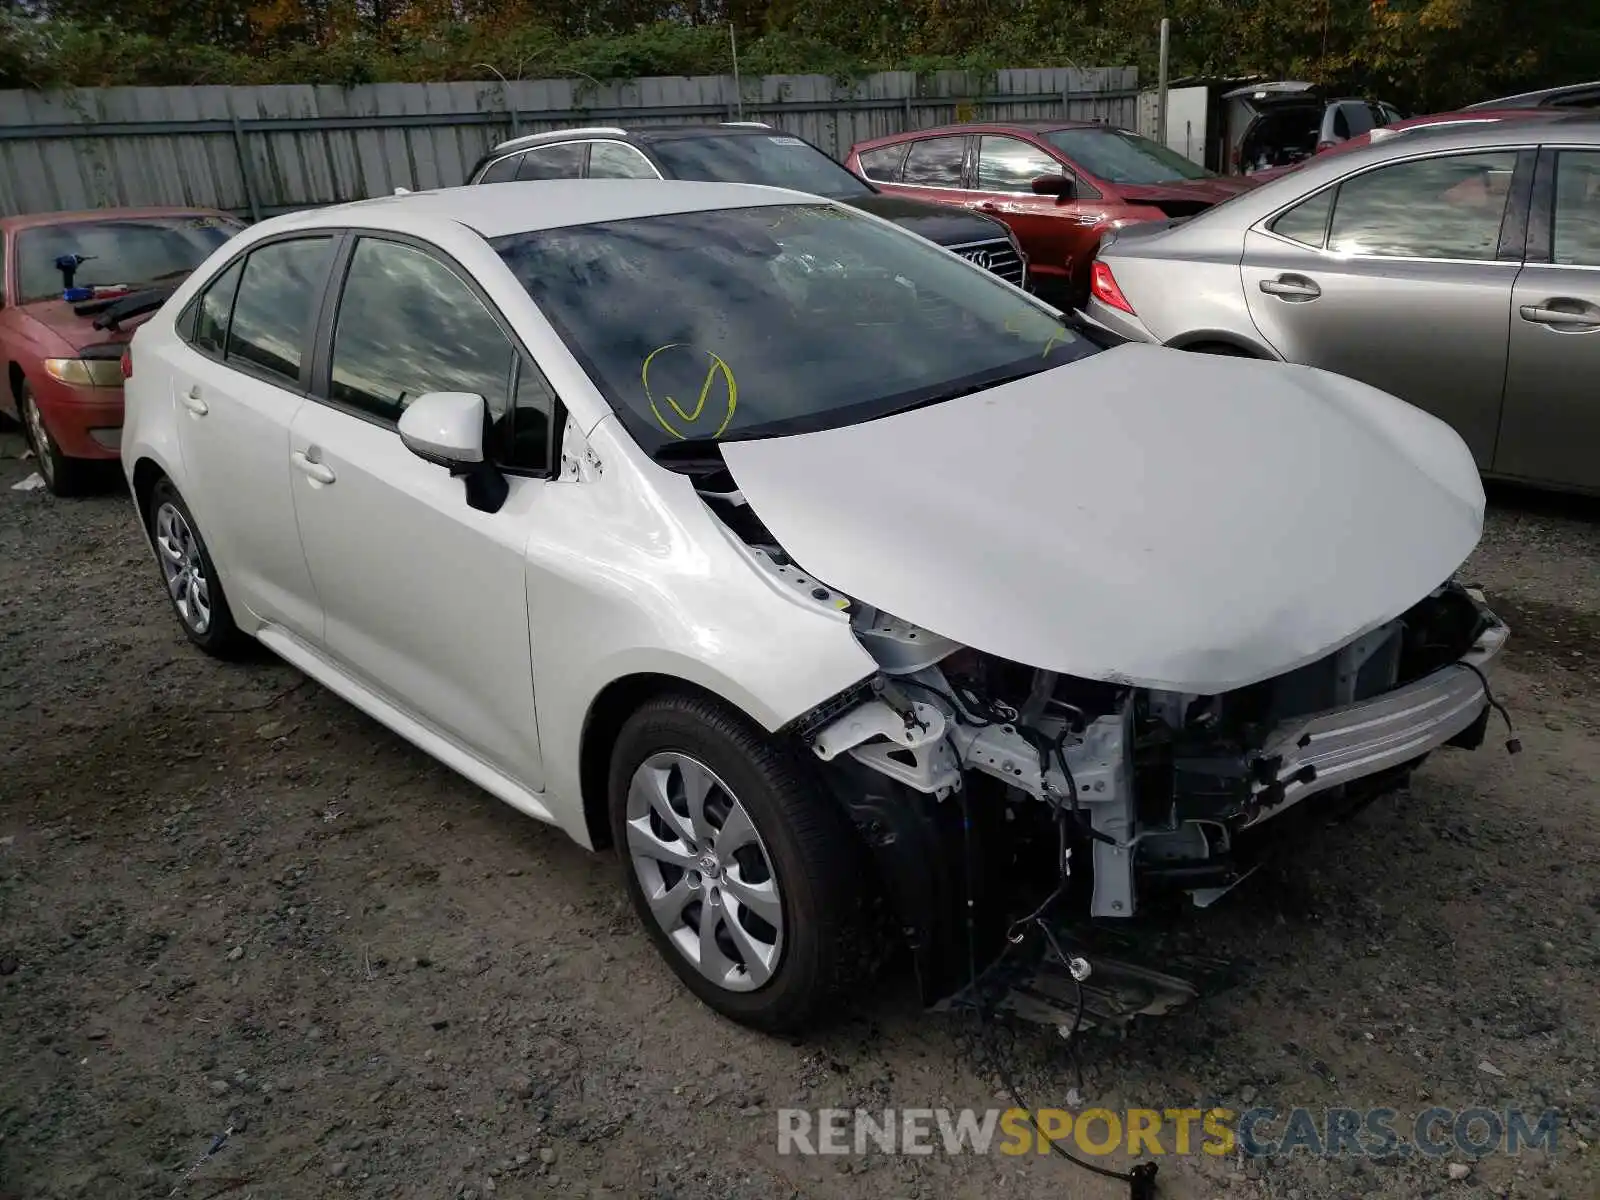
[
  {"x": 61, "y": 333},
  {"x": 1060, "y": 185}
]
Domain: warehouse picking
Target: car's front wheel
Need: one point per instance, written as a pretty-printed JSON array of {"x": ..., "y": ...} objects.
[
  {"x": 62, "y": 475},
  {"x": 743, "y": 871},
  {"x": 190, "y": 576}
]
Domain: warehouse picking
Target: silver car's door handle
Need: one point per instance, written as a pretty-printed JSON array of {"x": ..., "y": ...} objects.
[
  {"x": 1291, "y": 287},
  {"x": 193, "y": 402},
  {"x": 1543, "y": 314},
  {"x": 309, "y": 467}
]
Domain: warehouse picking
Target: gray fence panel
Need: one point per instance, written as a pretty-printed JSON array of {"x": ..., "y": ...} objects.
[{"x": 263, "y": 150}]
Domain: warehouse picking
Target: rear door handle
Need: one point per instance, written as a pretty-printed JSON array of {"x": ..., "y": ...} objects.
[
  {"x": 1543, "y": 314},
  {"x": 1291, "y": 288},
  {"x": 193, "y": 402},
  {"x": 318, "y": 472},
  {"x": 987, "y": 206}
]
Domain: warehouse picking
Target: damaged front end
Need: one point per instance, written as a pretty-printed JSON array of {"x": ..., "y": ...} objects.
[{"x": 985, "y": 787}]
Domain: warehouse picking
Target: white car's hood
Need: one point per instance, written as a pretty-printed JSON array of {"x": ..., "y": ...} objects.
[{"x": 1171, "y": 520}]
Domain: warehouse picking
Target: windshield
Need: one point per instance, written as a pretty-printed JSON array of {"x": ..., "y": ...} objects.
[
  {"x": 132, "y": 252},
  {"x": 1118, "y": 156},
  {"x": 756, "y": 321},
  {"x": 774, "y": 160}
]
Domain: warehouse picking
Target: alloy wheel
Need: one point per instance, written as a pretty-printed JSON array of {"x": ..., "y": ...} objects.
[
  {"x": 40, "y": 437},
  {"x": 183, "y": 568},
  {"x": 705, "y": 873}
]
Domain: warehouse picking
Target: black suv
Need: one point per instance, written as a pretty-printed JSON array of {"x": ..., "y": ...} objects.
[{"x": 744, "y": 152}]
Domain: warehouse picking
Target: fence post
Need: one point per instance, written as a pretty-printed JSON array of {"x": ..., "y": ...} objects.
[
  {"x": 244, "y": 162},
  {"x": 511, "y": 107}
]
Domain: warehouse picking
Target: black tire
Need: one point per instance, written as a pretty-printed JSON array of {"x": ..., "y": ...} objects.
[
  {"x": 62, "y": 475},
  {"x": 817, "y": 859},
  {"x": 219, "y": 637}
]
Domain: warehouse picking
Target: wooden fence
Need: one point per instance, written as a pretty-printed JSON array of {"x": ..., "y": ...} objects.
[{"x": 258, "y": 151}]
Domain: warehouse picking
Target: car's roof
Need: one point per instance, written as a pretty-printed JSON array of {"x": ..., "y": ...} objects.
[
  {"x": 1036, "y": 126},
  {"x": 641, "y": 133},
  {"x": 1316, "y": 173},
  {"x": 500, "y": 209},
  {"x": 1488, "y": 129},
  {"x": 40, "y": 220},
  {"x": 1536, "y": 98}
]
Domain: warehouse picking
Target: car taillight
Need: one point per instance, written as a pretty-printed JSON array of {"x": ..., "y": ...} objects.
[
  {"x": 127, "y": 364},
  {"x": 1103, "y": 287}
]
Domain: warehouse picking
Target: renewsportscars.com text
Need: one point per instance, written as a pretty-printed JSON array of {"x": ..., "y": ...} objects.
[{"x": 1254, "y": 1132}]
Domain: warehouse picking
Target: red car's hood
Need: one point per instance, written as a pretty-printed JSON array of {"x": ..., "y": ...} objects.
[
  {"x": 1213, "y": 190},
  {"x": 58, "y": 317}
]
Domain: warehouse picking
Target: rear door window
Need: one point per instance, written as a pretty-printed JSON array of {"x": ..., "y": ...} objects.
[
  {"x": 1448, "y": 207},
  {"x": 1576, "y": 228},
  {"x": 935, "y": 162},
  {"x": 273, "y": 311},
  {"x": 553, "y": 162},
  {"x": 616, "y": 160},
  {"x": 502, "y": 171},
  {"x": 883, "y": 164}
]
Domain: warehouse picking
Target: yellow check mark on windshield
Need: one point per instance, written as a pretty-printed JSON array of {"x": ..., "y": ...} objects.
[{"x": 717, "y": 369}]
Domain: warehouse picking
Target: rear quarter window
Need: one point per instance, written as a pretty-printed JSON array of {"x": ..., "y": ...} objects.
[
  {"x": 935, "y": 162},
  {"x": 1306, "y": 222}
]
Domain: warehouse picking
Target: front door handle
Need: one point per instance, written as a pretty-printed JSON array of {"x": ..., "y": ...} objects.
[
  {"x": 988, "y": 206},
  {"x": 318, "y": 472},
  {"x": 193, "y": 401},
  {"x": 1584, "y": 318},
  {"x": 1293, "y": 288}
]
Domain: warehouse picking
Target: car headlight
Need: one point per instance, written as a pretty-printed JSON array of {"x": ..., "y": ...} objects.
[{"x": 85, "y": 372}]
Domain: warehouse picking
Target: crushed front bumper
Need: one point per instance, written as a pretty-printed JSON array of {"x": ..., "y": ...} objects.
[{"x": 1326, "y": 750}]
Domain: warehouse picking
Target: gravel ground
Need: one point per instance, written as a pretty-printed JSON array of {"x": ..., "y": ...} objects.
[{"x": 226, "y": 898}]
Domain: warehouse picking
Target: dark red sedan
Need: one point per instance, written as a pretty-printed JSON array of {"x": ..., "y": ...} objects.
[
  {"x": 61, "y": 335},
  {"x": 1059, "y": 185}
]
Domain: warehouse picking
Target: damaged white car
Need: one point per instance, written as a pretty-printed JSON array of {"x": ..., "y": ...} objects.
[{"x": 803, "y": 561}]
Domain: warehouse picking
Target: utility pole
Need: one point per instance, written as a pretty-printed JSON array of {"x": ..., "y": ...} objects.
[{"x": 1161, "y": 82}]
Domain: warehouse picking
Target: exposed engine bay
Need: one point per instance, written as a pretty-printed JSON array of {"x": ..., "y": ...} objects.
[
  {"x": 988, "y": 788},
  {"x": 1144, "y": 788}
]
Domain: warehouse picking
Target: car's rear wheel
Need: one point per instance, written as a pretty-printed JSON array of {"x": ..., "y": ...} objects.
[
  {"x": 62, "y": 475},
  {"x": 744, "y": 873},
  {"x": 190, "y": 576}
]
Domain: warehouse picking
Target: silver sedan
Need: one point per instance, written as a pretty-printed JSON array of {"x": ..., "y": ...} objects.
[{"x": 1455, "y": 266}]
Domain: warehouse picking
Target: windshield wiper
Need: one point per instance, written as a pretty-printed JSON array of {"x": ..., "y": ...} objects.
[
  {"x": 689, "y": 450},
  {"x": 691, "y": 456}
]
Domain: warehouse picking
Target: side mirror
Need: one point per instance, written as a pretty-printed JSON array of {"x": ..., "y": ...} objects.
[
  {"x": 1060, "y": 186},
  {"x": 445, "y": 428}
]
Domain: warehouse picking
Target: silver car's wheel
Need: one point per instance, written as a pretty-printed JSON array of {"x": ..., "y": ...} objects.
[
  {"x": 183, "y": 568},
  {"x": 705, "y": 874}
]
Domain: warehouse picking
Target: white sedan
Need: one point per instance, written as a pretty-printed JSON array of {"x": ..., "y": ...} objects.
[{"x": 800, "y": 560}]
